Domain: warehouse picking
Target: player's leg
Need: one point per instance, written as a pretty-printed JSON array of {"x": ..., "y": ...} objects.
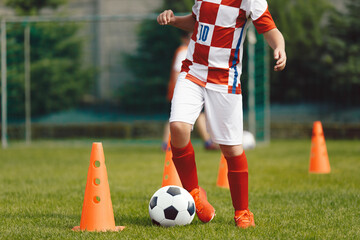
[
  {"x": 200, "y": 126},
  {"x": 224, "y": 112},
  {"x": 184, "y": 161},
  {"x": 165, "y": 138},
  {"x": 180, "y": 133},
  {"x": 183, "y": 154},
  {"x": 186, "y": 105},
  {"x": 238, "y": 182}
]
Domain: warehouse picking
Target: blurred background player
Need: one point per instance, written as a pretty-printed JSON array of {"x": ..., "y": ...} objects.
[
  {"x": 210, "y": 78},
  {"x": 200, "y": 125}
]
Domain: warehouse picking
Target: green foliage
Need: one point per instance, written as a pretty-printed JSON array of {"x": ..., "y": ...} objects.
[
  {"x": 59, "y": 79},
  {"x": 151, "y": 64},
  {"x": 321, "y": 44},
  {"x": 32, "y": 7},
  {"x": 303, "y": 30},
  {"x": 323, "y": 52},
  {"x": 179, "y": 6},
  {"x": 343, "y": 52}
]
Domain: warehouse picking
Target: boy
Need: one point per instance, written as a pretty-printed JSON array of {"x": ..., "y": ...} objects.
[
  {"x": 179, "y": 56},
  {"x": 210, "y": 78}
]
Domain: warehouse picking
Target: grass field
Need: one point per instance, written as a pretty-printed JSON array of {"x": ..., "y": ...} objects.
[{"x": 42, "y": 190}]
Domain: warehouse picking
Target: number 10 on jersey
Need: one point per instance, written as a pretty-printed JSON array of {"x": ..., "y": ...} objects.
[{"x": 204, "y": 31}]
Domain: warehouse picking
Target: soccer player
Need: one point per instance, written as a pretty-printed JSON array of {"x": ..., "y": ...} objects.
[
  {"x": 210, "y": 78},
  {"x": 179, "y": 56}
]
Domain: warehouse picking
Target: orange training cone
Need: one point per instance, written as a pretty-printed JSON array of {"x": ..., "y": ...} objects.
[
  {"x": 97, "y": 212},
  {"x": 170, "y": 176},
  {"x": 319, "y": 160},
  {"x": 222, "y": 180}
]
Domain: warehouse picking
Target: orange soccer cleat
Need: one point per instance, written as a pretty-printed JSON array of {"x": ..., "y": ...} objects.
[
  {"x": 244, "y": 219},
  {"x": 204, "y": 210}
]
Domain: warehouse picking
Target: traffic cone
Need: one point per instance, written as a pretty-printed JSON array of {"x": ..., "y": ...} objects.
[
  {"x": 97, "y": 212},
  {"x": 319, "y": 160},
  {"x": 222, "y": 180},
  {"x": 170, "y": 176}
]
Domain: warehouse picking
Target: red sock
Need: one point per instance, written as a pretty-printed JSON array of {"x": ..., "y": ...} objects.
[
  {"x": 238, "y": 181},
  {"x": 184, "y": 161}
]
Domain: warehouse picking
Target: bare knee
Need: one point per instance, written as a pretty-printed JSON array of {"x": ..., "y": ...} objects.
[
  {"x": 180, "y": 134},
  {"x": 231, "y": 150}
]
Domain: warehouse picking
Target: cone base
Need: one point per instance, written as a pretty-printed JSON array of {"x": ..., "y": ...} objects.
[
  {"x": 221, "y": 186},
  {"x": 315, "y": 172},
  {"x": 117, "y": 229}
]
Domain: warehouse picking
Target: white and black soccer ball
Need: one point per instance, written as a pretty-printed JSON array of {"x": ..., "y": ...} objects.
[{"x": 171, "y": 206}]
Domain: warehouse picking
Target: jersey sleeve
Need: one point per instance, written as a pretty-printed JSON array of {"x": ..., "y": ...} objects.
[
  {"x": 264, "y": 23},
  {"x": 258, "y": 12},
  {"x": 195, "y": 9}
]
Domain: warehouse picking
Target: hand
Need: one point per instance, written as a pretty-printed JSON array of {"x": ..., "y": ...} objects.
[
  {"x": 280, "y": 56},
  {"x": 165, "y": 18}
]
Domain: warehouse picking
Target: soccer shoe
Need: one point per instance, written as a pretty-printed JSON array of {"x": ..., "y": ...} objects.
[
  {"x": 164, "y": 146},
  {"x": 204, "y": 210},
  {"x": 244, "y": 219},
  {"x": 209, "y": 145}
]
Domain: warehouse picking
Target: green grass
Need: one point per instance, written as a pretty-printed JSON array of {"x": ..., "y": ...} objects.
[{"x": 42, "y": 189}]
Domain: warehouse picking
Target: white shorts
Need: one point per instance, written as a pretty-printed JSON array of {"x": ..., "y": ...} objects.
[{"x": 224, "y": 115}]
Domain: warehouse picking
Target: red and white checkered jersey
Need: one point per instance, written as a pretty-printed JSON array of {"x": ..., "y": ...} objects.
[{"x": 214, "y": 57}]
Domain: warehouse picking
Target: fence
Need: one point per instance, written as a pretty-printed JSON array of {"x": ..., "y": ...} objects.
[{"x": 104, "y": 40}]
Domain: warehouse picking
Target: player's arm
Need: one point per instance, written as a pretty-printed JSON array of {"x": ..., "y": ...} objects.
[
  {"x": 276, "y": 41},
  {"x": 186, "y": 22},
  {"x": 265, "y": 24}
]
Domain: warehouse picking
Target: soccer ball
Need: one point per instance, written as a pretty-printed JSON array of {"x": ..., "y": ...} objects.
[
  {"x": 170, "y": 206},
  {"x": 248, "y": 140}
]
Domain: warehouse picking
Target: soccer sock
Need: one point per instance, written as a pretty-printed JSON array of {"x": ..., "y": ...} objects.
[
  {"x": 238, "y": 181},
  {"x": 184, "y": 161}
]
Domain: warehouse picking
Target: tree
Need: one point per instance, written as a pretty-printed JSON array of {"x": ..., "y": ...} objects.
[
  {"x": 302, "y": 24},
  {"x": 58, "y": 77},
  {"x": 182, "y": 6},
  {"x": 151, "y": 64},
  {"x": 343, "y": 53},
  {"x": 32, "y": 7}
]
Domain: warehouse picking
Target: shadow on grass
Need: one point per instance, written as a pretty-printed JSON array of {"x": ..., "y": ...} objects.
[{"x": 133, "y": 220}]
